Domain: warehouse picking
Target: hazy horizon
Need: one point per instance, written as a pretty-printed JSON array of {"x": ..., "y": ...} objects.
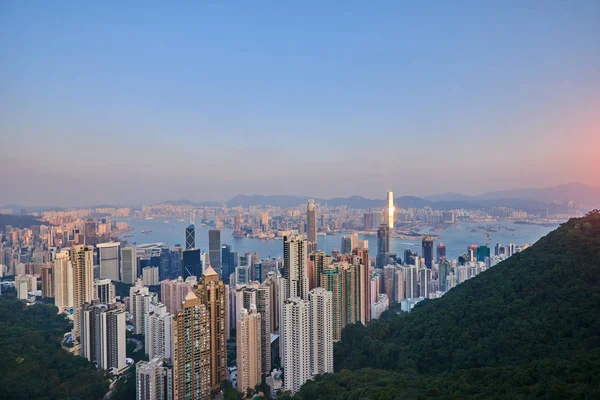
[{"x": 118, "y": 104}]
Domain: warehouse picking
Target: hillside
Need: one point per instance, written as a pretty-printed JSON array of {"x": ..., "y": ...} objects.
[
  {"x": 17, "y": 221},
  {"x": 529, "y": 327}
]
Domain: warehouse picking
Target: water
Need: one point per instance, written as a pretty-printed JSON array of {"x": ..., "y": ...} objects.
[{"x": 456, "y": 238}]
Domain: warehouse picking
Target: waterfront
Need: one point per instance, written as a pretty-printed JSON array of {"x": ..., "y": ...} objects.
[{"x": 456, "y": 238}]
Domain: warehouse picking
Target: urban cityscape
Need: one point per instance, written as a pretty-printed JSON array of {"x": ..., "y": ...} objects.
[{"x": 299, "y": 200}]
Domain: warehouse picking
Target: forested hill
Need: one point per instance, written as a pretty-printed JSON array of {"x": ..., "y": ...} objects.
[{"x": 528, "y": 327}]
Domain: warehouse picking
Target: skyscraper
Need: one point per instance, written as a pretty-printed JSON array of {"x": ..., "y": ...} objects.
[
  {"x": 311, "y": 222},
  {"x": 390, "y": 210},
  {"x": 191, "y": 263},
  {"x": 296, "y": 343},
  {"x": 153, "y": 380},
  {"x": 47, "y": 281},
  {"x": 173, "y": 292},
  {"x": 346, "y": 245},
  {"x": 140, "y": 299},
  {"x": 321, "y": 331},
  {"x": 104, "y": 290},
  {"x": 213, "y": 294},
  {"x": 191, "y": 351},
  {"x": 342, "y": 280},
  {"x": 367, "y": 221},
  {"x": 159, "y": 332},
  {"x": 441, "y": 252},
  {"x": 63, "y": 281},
  {"x": 129, "y": 271},
  {"x": 103, "y": 329},
  {"x": 82, "y": 261},
  {"x": 295, "y": 266},
  {"x": 109, "y": 260},
  {"x": 249, "y": 355},
  {"x": 383, "y": 245},
  {"x": 427, "y": 245},
  {"x": 214, "y": 249},
  {"x": 190, "y": 237}
]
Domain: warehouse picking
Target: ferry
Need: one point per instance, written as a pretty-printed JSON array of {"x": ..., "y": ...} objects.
[{"x": 146, "y": 230}]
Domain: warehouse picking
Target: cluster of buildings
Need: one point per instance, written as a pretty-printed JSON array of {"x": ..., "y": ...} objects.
[{"x": 284, "y": 315}]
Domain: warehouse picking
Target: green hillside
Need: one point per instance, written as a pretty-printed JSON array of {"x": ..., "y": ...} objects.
[{"x": 529, "y": 327}]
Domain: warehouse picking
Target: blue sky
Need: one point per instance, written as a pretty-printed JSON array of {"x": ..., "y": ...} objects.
[{"x": 150, "y": 101}]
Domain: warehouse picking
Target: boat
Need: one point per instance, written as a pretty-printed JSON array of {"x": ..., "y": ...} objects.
[
  {"x": 149, "y": 218},
  {"x": 165, "y": 222},
  {"x": 181, "y": 220},
  {"x": 146, "y": 230}
]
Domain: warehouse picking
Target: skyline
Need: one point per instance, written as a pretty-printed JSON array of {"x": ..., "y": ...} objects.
[{"x": 129, "y": 106}]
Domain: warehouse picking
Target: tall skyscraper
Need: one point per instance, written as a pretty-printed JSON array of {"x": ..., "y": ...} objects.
[
  {"x": 342, "y": 280},
  {"x": 212, "y": 292},
  {"x": 410, "y": 280},
  {"x": 140, "y": 299},
  {"x": 427, "y": 245},
  {"x": 296, "y": 343},
  {"x": 103, "y": 334},
  {"x": 109, "y": 260},
  {"x": 214, "y": 249},
  {"x": 82, "y": 261},
  {"x": 441, "y": 252},
  {"x": 153, "y": 380},
  {"x": 367, "y": 221},
  {"x": 190, "y": 237},
  {"x": 295, "y": 266},
  {"x": 390, "y": 210},
  {"x": 47, "y": 281},
  {"x": 159, "y": 332},
  {"x": 104, "y": 290},
  {"x": 89, "y": 232},
  {"x": 63, "y": 281},
  {"x": 311, "y": 222},
  {"x": 191, "y": 351},
  {"x": 249, "y": 355},
  {"x": 318, "y": 261},
  {"x": 383, "y": 245},
  {"x": 173, "y": 292},
  {"x": 129, "y": 270},
  {"x": 321, "y": 331},
  {"x": 346, "y": 245},
  {"x": 191, "y": 264}
]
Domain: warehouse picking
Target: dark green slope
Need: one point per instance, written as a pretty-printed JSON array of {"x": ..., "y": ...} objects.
[{"x": 529, "y": 327}]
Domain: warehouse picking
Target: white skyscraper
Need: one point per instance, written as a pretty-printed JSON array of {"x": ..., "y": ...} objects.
[
  {"x": 154, "y": 381},
  {"x": 63, "y": 281},
  {"x": 103, "y": 335},
  {"x": 295, "y": 266},
  {"x": 159, "y": 332},
  {"x": 390, "y": 210},
  {"x": 109, "y": 260},
  {"x": 82, "y": 261},
  {"x": 140, "y": 299},
  {"x": 104, "y": 290},
  {"x": 296, "y": 343},
  {"x": 321, "y": 331}
]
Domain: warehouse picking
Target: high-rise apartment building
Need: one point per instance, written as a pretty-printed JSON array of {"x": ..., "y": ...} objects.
[
  {"x": 129, "y": 270},
  {"x": 154, "y": 380},
  {"x": 214, "y": 249},
  {"x": 191, "y": 351},
  {"x": 109, "y": 259},
  {"x": 104, "y": 290},
  {"x": 140, "y": 299},
  {"x": 296, "y": 343},
  {"x": 63, "y": 281},
  {"x": 159, "y": 332},
  {"x": 410, "y": 281},
  {"x": 295, "y": 266},
  {"x": 212, "y": 292},
  {"x": 346, "y": 245},
  {"x": 342, "y": 280},
  {"x": 47, "y": 281},
  {"x": 173, "y": 292},
  {"x": 82, "y": 262},
  {"x": 311, "y": 225},
  {"x": 249, "y": 354},
  {"x": 321, "y": 331},
  {"x": 103, "y": 335},
  {"x": 318, "y": 260}
]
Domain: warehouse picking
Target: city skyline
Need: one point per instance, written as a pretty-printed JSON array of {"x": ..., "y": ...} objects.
[{"x": 100, "y": 105}]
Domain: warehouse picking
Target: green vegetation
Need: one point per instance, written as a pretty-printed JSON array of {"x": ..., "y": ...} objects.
[
  {"x": 32, "y": 363},
  {"x": 529, "y": 327}
]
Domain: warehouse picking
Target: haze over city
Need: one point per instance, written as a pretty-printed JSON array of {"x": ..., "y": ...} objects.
[{"x": 128, "y": 104}]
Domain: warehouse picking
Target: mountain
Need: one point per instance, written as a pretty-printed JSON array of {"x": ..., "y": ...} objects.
[
  {"x": 449, "y": 196},
  {"x": 528, "y": 327},
  {"x": 18, "y": 221},
  {"x": 184, "y": 202}
]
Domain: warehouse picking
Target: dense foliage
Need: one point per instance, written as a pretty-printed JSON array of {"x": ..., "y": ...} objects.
[
  {"x": 32, "y": 363},
  {"x": 529, "y": 327}
]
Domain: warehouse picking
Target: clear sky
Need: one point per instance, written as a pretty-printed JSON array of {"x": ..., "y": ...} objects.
[{"x": 137, "y": 103}]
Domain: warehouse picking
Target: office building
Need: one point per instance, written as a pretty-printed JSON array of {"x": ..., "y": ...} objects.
[
  {"x": 190, "y": 237},
  {"x": 214, "y": 249},
  {"x": 191, "y": 351},
  {"x": 427, "y": 247},
  {"x": 104, "y": 290},
  {"x": 129, "y": 269},
  {"x": 212, "y": 292},
  {"x": 321, "y": 331},
  {"x": 383, "y": 246},
  {"x": 346, "y": 245},
  {"x": 82, "y": 262},
  {"x": 109, "y": 260},
  {"x": 249, "y": 354},
  {"x": 376, "y": 219},
  {"x": 483, "y": 252},
  {"x": 103, "y": 335},
  {"x": 154, "y": 380},
  {"x": 389, "y": 214},
  {"x": 150, "y": 276},
  {"x": 367, "y": 221},
  {"x": 159, "y": 332},
  {"x": 296, "y": 343},
  {"x": 191, "y": 263},
  {"x": 311, "y": 225},
  {"x": 173, "y": 292},
  {"x": 441, "y": 252}
]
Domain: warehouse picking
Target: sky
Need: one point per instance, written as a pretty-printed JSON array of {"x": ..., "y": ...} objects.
[{"x": 113, "y": 103}]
